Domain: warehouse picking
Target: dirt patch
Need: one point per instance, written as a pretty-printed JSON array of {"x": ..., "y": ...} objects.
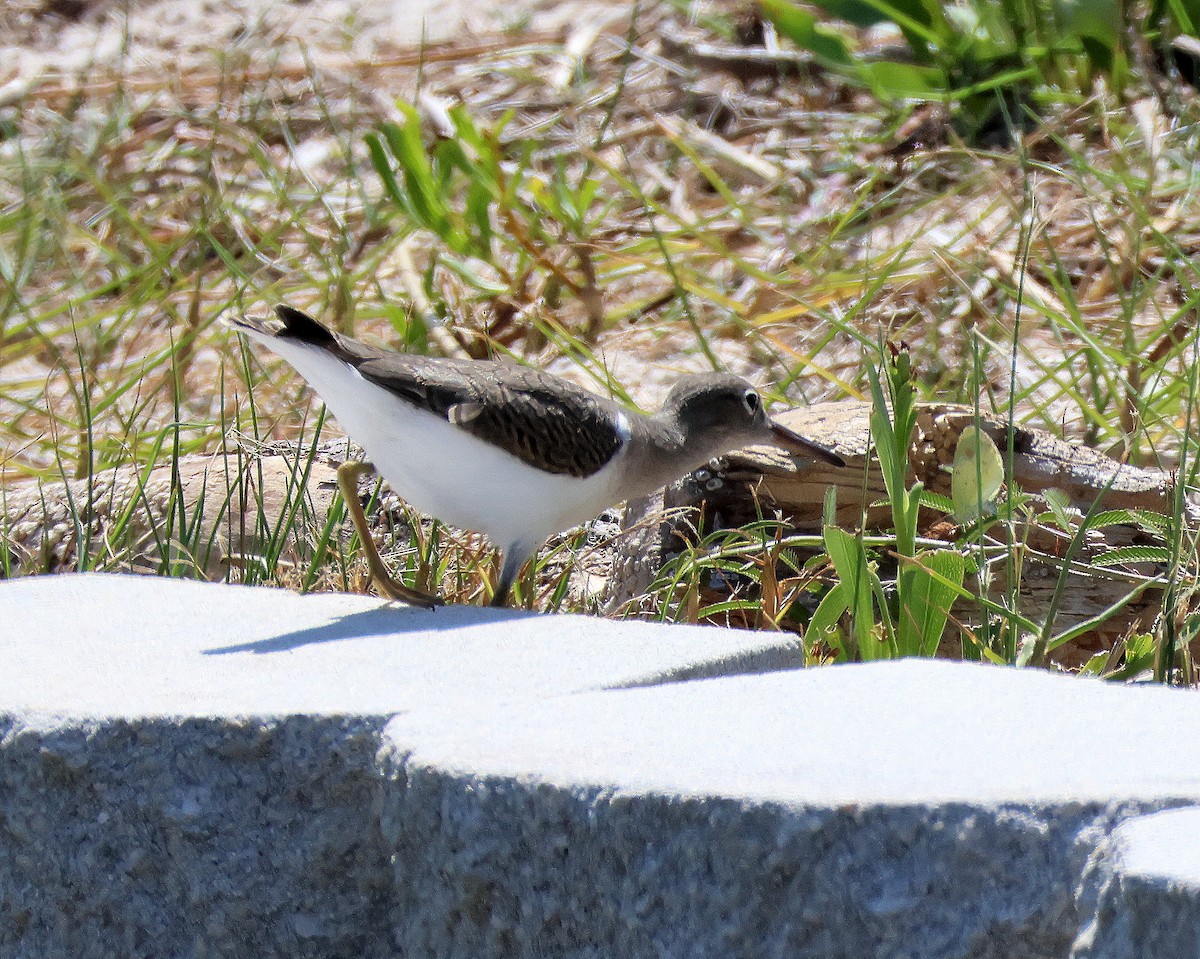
[{"x": 47, "y": 38}]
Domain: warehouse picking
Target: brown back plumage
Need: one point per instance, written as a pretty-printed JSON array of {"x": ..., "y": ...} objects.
[{"x": 543, "y": 421}]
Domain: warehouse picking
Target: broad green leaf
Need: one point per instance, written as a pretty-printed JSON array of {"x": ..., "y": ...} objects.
[
  {"x": 804, "y": 30},
  {"x": 889, "y": 80},
  {"x": 1095, "y": 664},
  {"x": 1102, "y": 57},
  {"x": 823, "y": 627},
  {"x": 1099, "y": 20},
  {"x": 859, "y": 585},
  {"x": 926, "y": 599},
  {"x": 1139, "y": 657},
  {"x": 422, "y": 195},
  {"x": 832, "y": 607}
]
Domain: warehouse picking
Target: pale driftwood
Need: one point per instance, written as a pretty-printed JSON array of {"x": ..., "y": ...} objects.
[
  {"x": 740, "y": 486},
  {"x": 1041, "y": 461}
]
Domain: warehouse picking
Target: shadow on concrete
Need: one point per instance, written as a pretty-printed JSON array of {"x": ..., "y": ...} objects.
[
  {"x": 780, "y": 659},
  {"x": 385, "y": 621}
]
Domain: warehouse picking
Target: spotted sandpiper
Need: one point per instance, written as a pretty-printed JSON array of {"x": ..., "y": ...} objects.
[{"x": 508, "y": 451}]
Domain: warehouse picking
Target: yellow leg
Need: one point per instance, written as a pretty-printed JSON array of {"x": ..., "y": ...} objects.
[{"x": 347, "y": 476}]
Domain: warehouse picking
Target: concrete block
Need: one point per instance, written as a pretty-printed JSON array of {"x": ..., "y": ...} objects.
[
  {"x": 190, "y": 770},
  {"x": 105, "y": 646},
  {"x": 163, "y": 837},
  {"x": 911, "y": 809},
  {"x": 1142, "y": 890},
  {"x": 197, "y": 770}
]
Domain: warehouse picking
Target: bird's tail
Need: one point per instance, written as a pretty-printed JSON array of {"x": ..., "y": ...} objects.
[{"x": 289, "y": 323}]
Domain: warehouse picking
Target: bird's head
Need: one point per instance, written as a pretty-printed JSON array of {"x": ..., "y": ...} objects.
[{"x": 723, "y": 412}]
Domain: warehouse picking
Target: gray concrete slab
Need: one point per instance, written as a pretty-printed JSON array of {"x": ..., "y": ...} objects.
[
  {"x": 923, "y": 809},
  {"x": 190, "y": 769},
  {"x": 129, "y": 646},
  {"x": 1162, "y": 848},
  {"x": 889, "y": 733},
  {"x": 1142, "y": 890}
]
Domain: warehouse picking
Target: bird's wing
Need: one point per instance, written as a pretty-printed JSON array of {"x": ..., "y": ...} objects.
[{"x": 543, "y": 421}]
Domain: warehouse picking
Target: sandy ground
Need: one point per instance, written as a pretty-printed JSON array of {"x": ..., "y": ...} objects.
[{"x": 44, "y": 38}]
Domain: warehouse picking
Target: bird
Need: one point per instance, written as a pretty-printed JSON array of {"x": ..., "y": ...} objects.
[{"x": 507, "y": 450}]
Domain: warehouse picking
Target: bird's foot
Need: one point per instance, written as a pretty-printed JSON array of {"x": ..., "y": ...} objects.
[
  {"x": 385, "y": 585},
  {"x": 347, "y": 477}
]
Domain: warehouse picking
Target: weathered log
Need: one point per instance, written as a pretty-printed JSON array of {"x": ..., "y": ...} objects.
[
  {"x": 736, "y": 489},
  {"x": 195, "y": 517}
]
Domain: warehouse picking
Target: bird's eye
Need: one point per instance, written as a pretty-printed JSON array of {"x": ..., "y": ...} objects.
[{"x": 753, "y": 403}]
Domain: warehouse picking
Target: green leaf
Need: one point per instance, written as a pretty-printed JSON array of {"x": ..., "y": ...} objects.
[
  {"x": 926, "y": 24},
  {"x": 936, "y": 501},
  {"x": 930, "y": 585},
  {"x": 1186, "y": 15},
  {"x": 804, "y": 30},
  {"x": 1116, "y": 517},
  {"x": 1139, "y": 657},
  {"x": 890, "y": 80},
  {"x": 1133, "y": 554},
  {"x": 1058, "y": 502},
  {"x": 479, "y": 216},
  {"x": 729, "y": 606},
  {"x": 859, "y": 584},
  {"x": 448, "y": 157},
  {"x": 884, "y": 435},
  {"x": 1095, "y": 664},
  {"x": 421, "y": 193},
  {"x": 824, "y": 622},
  {"x": 472, "y": 277},
  {"x": 893, "y": 419},
  {"x": 465, "y": 128},
  {"x": 1102, "y": 57},
  {"x": 383, "y": 166},
  {"x": 1098, "y": 20},
  {"x": 930, "y": 14}
]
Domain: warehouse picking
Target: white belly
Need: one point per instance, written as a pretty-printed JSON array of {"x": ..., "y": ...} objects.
[{"x": 444, "y": 471}]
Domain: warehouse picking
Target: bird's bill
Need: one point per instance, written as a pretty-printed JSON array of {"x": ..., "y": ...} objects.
[{"x": 793, "y": 442}]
